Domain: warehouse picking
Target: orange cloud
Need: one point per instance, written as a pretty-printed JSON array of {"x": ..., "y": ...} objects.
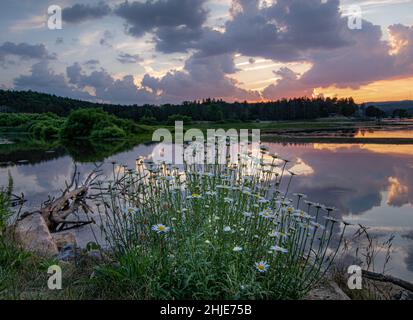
[
  {"x": 398, "y": 193},
  {"x": 384, "y": 90}
]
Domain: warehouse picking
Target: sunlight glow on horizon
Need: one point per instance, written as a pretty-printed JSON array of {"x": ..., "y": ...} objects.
[{"x": 379, "y": 91}]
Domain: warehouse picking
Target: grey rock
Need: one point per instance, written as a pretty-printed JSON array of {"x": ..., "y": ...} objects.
[
  {"x": 33, "y": 235},
  {"x": 64, "y": 238},
  {"x": 327, "y": 290}
]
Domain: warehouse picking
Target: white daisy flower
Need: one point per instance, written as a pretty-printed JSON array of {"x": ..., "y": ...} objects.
[
  {"x": 247, "y": 214},
  {"x": 266, "y": 214},
  {"x": 301, "y": 214},
  {"x": 131, "y": 210},
  {"x": 160, "y": 229},
  {"x": 334, "y": 220},
  {"x": 237, "y": 249},
  {"x": 262, "y": 266},
  {"x": 279, "y": 249},
  {"x": 227, "y": 229}
]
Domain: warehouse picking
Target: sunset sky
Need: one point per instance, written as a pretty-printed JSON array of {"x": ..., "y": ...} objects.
[{"x": 168, "y": 51}]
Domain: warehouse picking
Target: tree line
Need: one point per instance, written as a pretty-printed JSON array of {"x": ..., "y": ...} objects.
[{"x": 201, "y": 110}]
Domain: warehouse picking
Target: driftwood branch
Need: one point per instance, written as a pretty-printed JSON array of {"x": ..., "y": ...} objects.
[
  {"x": 73, "y": 197},
  {"x": 382, "y": 278}
]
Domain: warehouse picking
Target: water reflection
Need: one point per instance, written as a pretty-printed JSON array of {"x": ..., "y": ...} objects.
[
  {"x": 369, "y": 184},
  {"x": 384, "y": 134}
]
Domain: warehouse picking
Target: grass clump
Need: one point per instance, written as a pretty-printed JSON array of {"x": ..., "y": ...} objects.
[{"x": 212, "y": 232}]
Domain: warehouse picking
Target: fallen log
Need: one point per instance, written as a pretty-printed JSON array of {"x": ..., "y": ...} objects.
[{"x": 389, "y": 279}]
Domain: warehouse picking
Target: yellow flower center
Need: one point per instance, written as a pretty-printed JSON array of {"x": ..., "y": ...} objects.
[
  {"x": 261, "y": 267},
  {"x": 161, "y": 228}
]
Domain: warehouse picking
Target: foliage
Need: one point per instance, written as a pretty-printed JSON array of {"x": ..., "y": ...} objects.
[
  {"x": 5, "y": 202},
  {"x": 148, "y": 120},
  {"x": 178, "y": 117},
  {"x": 212, "y": 232},
  {"x": 400, "y": 113},
  {"x": 98, "y": 124},
  {"x": 40, "y": 126},
  {"x": 82, "y": 123},
  {"x": 374, "y": 112}
]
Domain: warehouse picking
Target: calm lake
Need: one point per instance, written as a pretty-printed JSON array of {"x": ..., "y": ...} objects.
[{"x": 369, "y": 184}]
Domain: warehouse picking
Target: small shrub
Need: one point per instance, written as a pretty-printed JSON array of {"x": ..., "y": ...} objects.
[
  {"x": 148, "y": 120},
  {"x": 112, "y": 132},
  {"x": 98, "y": 124},
  {"x": 178, "y": 117}
]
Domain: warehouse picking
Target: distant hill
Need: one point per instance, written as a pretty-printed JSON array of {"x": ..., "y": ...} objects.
[{"x": 390, "y": 106}]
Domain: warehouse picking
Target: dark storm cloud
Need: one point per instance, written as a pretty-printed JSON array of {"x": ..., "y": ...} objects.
[
  {"x": 83, "y": 12},
  {"x": 24, "y": 51},
  {"x": 177, "y": 39},
  {"x": 43, "y": 79},
  {"x": 288, "y": 30},
  {"x": 201, "y": 77},
  {"x": 92, "y": 63},
  {"x": 283, "y": 31},
  {"x": 366, "y": 60},
  {"x": 143, "y": 17},
  {"x": 107, "y": 88},
  {"x": 126, "y": 58},
  {"x": 107, "y": 38},
  {"x": 312, "y": 31}
]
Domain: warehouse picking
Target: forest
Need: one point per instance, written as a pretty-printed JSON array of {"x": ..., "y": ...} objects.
[{"x": 202, "y": 110}]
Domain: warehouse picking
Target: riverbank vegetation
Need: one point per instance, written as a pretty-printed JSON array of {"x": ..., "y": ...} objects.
[
  {"x": 88, "y": 135},
  {"x": 94, "y": 124}
]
